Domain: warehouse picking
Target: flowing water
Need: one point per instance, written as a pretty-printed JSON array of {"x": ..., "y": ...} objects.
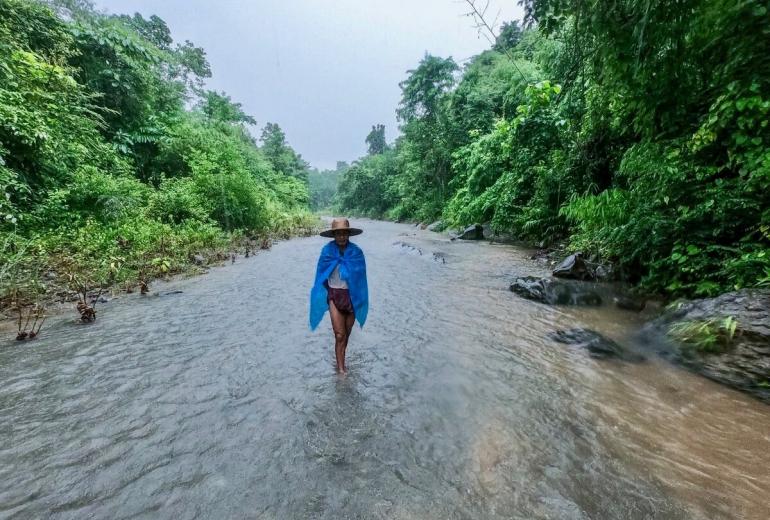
[{"x": 218, "y": 402}]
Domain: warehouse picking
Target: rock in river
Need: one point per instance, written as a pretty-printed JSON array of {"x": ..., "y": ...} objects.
[
  {"x": 573, "y": 267},
  {"x": 726, "y": 339},
  {"x": 474, "y": 232},
  {"x": 555, "y": 292},
  {"x": 436, "y": 226},
  {"x": 597, "y": 345}
]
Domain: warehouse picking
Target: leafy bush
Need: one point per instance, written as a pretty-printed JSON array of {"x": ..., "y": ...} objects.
[
  {"x": 104, "y": 174},
  {"x": 176, "y": 201}
]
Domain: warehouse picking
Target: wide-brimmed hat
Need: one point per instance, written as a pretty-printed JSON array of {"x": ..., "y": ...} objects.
[{"x": 339, "y": 224}]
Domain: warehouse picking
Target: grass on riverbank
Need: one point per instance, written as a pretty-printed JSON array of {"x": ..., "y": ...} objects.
[{"x": 59, "y": 266}]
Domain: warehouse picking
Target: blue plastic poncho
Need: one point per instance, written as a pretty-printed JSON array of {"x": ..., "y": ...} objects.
[{"x": 352, "y": 270}]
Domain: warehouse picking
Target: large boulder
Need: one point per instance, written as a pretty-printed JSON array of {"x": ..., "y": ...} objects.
[
  {"x": 555, "y": 292},
  {"x": 726, "y": 338},
  {"x": 597, "y": 345},
  {"x": 474, "y": 232}
]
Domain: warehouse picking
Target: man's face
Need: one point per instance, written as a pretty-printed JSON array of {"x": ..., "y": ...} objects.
[{"x": 341, "y": 237}]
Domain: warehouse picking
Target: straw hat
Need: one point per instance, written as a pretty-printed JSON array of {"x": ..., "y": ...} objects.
[{"x": 340, "y": 224}]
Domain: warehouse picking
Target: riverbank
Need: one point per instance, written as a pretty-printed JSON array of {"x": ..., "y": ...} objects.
[
  {"x": 51, "y": 282},
  {"x": 725, "y": 338}
]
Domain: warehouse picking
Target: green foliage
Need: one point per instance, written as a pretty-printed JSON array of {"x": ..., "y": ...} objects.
[
  {"x": 282, "y": 157},
  {"x": 709, "y": 336},
  {"x": 511, "y": 176},
  {"x": 376, "y": 140},
  {"x": 177, "y": 201},
  {"x": 219, "y": 107},
  {"x": 237, "y": 201},
  {"x": 422, "y": 91},
  {"x": 509, "y": 36},
  {"x": 638, "y": 131},
  {"x": 104, "y": 174},
  {"x": 323, "y": 186},
  {"x": 366, "y": 186}
]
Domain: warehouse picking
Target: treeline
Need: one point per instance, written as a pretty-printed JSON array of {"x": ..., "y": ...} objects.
[
  {"x": 115, "y": 164},
  {"x": 323, "y": 186},
  {"x": 637, "y": 131}
]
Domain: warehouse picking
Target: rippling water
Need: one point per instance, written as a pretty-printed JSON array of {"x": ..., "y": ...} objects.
[{"x": 217, "y": 402}]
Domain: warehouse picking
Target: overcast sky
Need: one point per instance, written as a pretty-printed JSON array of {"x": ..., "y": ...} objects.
[{"x": 324, "y": 70}]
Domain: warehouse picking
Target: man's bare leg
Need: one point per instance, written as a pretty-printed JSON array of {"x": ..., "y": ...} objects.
[
  {"x": 350, "y": 320},
  {"x": 340, "y": 336}
]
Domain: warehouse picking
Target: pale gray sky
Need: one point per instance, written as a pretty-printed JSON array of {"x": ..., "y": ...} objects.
[{"x": 324, "y": 70}]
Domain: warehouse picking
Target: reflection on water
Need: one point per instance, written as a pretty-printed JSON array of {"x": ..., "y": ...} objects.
[{"x": 219, "y": 403}]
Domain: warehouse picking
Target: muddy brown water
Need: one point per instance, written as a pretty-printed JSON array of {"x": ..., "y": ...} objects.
[{"x": 218, "y": 402}]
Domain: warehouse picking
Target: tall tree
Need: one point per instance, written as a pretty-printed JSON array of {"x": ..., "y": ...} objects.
[
  {"x": 422, "y": 90},
  {"x": 376, "y": 140},
  {"x": 283, "y": 158}
]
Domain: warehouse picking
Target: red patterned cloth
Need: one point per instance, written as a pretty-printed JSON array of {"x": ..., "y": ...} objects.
[{"x": 341, "y": 299}]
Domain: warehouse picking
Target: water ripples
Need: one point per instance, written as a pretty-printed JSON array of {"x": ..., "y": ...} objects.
[{"x": 218, "y": 402}]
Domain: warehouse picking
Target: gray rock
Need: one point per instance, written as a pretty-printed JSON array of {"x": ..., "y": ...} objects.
[
  {"x": 486, "y": 231},
  {"x": 629, "y": 303},
  {"x": 573, "y": 267},
  {"x": 604, "y": 272},
  {"x": 474, "y": 232},
  {"x": 199, "y": 259},
  {"x": 436, "y": 226},
  {"x": 555, "y": 292},
  {"x": 597, "y": 345},
  {"x": 743, "y": 362}
]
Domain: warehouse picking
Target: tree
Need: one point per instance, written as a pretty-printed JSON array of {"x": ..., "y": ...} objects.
[
  {"x": 509, "y": 37},
  {"x": 153, "y": 30},
  {"x": 422, "y": 90},
  {"x": 376, "y": 140},
  {"x": 283, "y": 158},
  {"x": 219, "y": 107}
]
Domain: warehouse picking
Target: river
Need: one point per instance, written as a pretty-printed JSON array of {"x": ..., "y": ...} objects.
[{"x": 218, "y": 402}]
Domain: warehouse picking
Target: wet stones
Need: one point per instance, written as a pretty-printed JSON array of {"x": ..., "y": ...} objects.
[
  {"x": 474, "y": 232},
  {"x": 437, "y": 256},
  {"x": 555, "y": 292},
  {"x": 577, "y": 267},
  {"x": 573, "y": 267},
  {"x": 597, "y": 345},
  {"x": 409, "y": 248},
  {"x": 436, "y": 226}
]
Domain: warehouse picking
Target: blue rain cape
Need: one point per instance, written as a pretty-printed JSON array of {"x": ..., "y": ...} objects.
[{"x": 352, "y": 270}]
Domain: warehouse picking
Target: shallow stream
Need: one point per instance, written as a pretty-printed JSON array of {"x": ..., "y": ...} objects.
[{"x": 218, "y": 402}]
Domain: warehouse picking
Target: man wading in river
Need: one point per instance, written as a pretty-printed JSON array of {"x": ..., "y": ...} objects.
[{"x": 340, "y": 285}]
